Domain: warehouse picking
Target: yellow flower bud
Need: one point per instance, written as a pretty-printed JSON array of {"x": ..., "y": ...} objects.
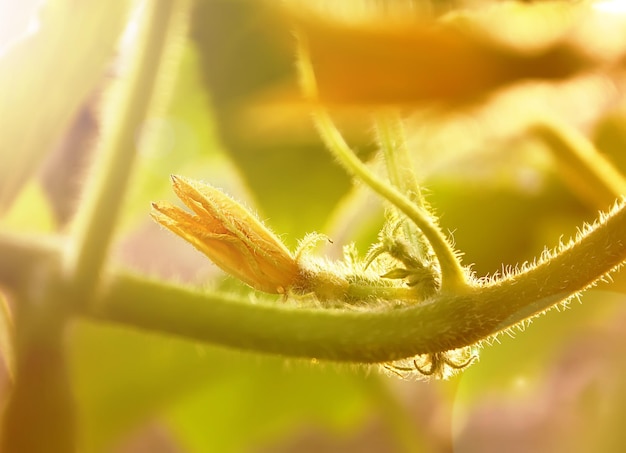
[{"x": 231, "y": 236}]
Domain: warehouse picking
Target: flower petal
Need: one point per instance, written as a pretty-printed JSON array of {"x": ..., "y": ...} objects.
[{"x": 231, "y": 236}]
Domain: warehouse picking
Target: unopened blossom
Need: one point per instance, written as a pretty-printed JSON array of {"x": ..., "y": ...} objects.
[{"x": 230, "y": 235}]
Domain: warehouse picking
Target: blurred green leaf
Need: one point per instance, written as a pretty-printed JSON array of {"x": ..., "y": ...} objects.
[
  {"x": 610, "y": 137},
  {"x": 246, "y": 51},
  {"x": 512, "y": 367},
  {"x": 269, "y": 403},
  {"x": 46, "y": 77},
  {"x": 214, "y": 399},
  {"x": 548, "y": 378},
  {"x": 296, "y": 189},
  {"x": 498, "y": 228},
  {"x": 31, "y": 212},
  {"x": 123, "y": 377}
]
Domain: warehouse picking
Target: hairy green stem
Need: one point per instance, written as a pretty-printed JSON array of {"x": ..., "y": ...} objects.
[
  {"x": 453, "y": 277},
  {"x": 129, "y": 107},
  {"x": 355, "y": 289},
  {"x": 441, "y": 323},
  {"x": 444, "y": 322},
  {"x": 392, "y": 140}
]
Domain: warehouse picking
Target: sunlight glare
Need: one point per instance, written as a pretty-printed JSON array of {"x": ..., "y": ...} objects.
[
  {"x": 17, "y": 20},
  {"x": 611, "y": 6}
]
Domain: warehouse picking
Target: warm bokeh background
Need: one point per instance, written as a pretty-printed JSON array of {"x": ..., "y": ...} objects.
[{"x": 468, "y": 90}]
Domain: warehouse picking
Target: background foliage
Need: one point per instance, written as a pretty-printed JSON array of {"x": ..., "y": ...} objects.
[{"x": 228, "y": 113}]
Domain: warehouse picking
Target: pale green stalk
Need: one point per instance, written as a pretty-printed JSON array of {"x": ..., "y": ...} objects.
[
  {"x": 130, "y": 104},
  {"x": 393, "y": 143},
  {"x": 583, "y": 166}
]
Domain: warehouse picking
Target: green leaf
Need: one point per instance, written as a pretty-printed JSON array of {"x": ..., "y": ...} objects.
[
  {"x": 31, "y": 212},
  {"x": 246, "y": 53},
  {"x": 271, "y": 401},
  {"x": 123, "y": 378},
  {"x": 515, "y": 367},
  {"x": 498, "y": 225},
  {"x": 552, "y": 355}
]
